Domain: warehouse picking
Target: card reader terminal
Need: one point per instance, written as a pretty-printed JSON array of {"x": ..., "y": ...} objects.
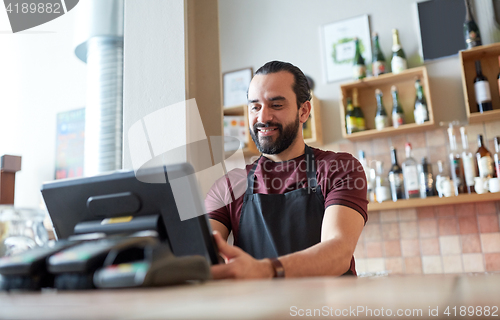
[
  {"x": 157, "y": 267},
  {"x": 28, "y": 270},
  {"x": 74, "y": 267}
]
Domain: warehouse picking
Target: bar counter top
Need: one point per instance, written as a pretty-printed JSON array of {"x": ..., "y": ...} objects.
[{"x": 378, "y": 297}]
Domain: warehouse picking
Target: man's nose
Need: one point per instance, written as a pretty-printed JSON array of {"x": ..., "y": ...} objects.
[{"x": 265, "y": 115}]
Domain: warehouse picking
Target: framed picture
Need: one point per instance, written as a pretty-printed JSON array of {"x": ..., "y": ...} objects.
[
  {"x": 339, "y": 48},
  {"x": 235, "y": 85}
]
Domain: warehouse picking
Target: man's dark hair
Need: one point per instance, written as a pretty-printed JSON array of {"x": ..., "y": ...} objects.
[{"x": 300, "y": 86}]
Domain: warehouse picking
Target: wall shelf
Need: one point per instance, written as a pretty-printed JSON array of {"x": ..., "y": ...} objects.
[
  {"x": 405, "y": 82},
  {"x": 433, "y": 201},
  {"x": 488, "y": 55},
  {"x": 315, "y": 137}
]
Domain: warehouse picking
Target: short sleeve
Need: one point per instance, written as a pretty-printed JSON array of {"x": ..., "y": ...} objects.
[{"x": 347, "y": 184}]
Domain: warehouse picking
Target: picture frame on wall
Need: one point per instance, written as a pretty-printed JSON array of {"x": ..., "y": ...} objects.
[
  {"x": 235, "y": 86},
  {"x": 339, "y": 49}
]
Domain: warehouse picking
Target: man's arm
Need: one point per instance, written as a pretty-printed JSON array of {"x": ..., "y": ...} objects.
[
  {"x": 219, "y": 227},
  {"x": 340, "y": 231}
]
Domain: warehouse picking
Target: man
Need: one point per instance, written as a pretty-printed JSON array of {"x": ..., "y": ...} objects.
[{"x": 303, "y": 209}]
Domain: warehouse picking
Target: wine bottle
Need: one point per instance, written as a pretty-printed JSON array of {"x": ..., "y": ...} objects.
[
  {"x": 358, "y": 113},
  {"x": 398, "y": 61},
  {"x": 350, "y": 119},
  {"x": 484, "y": 159},
  {"x": 396, "y": 178},
  {"x": 378, "y": 59},
  {"x": 468, "y": 162},
  {"x": 410, "y": 175},
  {"x": 420, "y": 112},
  {"x": 382, "y": 189},
  {"x": 397, "y": 110},
  {"x": 498, "y": 77},
  {"x": 456, "y": 166},
  {"x": 471, "y": 30},
  {"x": 359, "y": 68},
  {"x": 482, "y": 90},
  {"x": 426, "y": 179},
  {"x": 381, "y": 119},
  {"x": 496, "y": 156}
]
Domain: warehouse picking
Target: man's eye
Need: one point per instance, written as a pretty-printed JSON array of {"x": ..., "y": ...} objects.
[{"x": 277, "y": 105}]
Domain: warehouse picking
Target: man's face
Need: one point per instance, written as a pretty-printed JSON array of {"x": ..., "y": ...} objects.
[{"x": 273, "y": 116}]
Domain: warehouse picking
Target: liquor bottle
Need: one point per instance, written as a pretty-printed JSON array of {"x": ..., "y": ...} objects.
[
  {"x": 426, "y": 179},
  {"x": 396, "y": 178},
  {"x": 439, "y": 177},
  {"x": 381, "y": 119},
  {"x": 484, "y": 160},
  {"x": 358, "y": 113},
  {"x": 370, "y": 177},
  {"x": 456, "y": 166},
  {"x": 378, "y": 59},
  {"x": 471, "y": 31},
  {"x": 482, "y": 89},
  {"x": 350, "y": 119},
  {"x": 382, "y": 189},
  {"x": 397, "y": 110},
  {"x": 398, "y": 61},
  {"x": 496, "y": 156},
  {"x": 410, "y": 175},
  {"x": 359, "y": 68},
  {"x": 420, "y": 112},
  {"x": 468, "y": 162},
  {"x": 498, "y": 77}
]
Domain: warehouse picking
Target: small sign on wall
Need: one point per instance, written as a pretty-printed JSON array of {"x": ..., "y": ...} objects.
[{"x": 70, "y": 139}]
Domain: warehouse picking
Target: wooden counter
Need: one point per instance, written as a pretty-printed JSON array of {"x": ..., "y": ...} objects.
[
  {"x": 433, "y": 201},
  {"x": 268, "y": 299}
]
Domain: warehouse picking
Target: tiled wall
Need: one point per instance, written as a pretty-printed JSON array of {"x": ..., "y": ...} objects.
[{"x": 443, "y": 239}]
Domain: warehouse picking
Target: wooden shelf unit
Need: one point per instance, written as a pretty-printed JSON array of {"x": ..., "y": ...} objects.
[
  {"x": 405, "y": 82},
  {"x": 488, "y": 55},
  {"x": 314, "y": 121},
  {"x": 433, "y": 201}
]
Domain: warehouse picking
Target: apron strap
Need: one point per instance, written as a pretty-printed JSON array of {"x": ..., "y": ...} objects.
[
  {"x": 312, "y": 183},
  {"x": 251, "y": 178}
]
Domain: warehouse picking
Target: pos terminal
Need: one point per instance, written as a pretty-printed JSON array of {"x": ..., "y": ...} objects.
[{"x": 146, "y": 242}]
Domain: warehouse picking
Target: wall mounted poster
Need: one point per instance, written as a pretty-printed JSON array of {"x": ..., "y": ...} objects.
[
  {"x": 339, "y": 49},
  {"x": 69, "y": 143},
  {"x": 235, "y": 85}
]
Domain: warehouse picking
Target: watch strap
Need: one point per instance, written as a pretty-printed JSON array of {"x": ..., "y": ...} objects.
[{"x": 279, "y": 271}]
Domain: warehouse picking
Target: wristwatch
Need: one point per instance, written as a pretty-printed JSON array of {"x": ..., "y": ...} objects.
[{"x": 279, "y": 271}]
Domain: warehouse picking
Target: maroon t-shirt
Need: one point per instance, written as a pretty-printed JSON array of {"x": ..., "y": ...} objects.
[{"x": 340, "y": 175}]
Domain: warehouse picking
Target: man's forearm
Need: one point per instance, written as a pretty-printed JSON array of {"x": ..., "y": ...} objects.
[{"x": 328, "y": 258}]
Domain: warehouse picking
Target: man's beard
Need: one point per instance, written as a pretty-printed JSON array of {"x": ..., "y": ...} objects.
[{"x": 285, "y": 137}]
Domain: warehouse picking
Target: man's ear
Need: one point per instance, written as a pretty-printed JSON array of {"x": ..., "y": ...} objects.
[{"x": 304, "y": 111}]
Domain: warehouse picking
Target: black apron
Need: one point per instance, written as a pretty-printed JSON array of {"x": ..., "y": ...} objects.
[{"x": 272, "y": 225}]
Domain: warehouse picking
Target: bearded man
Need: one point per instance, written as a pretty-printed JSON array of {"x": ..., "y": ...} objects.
[{"x": 302, "y": 209}]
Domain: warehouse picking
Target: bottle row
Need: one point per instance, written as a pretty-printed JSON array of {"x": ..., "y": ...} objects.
[
  {"x": 399, "y": 62},
  {"x": 378, "y": 65},
  {"x": 355, "y": 119},
  {"x": 468, "y": 173}
]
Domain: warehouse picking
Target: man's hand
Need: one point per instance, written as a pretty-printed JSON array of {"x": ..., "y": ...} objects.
[{"x": 239, "y": 264}]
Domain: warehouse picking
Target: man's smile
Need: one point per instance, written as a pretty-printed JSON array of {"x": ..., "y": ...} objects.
[{"x": 266, "y": 131}]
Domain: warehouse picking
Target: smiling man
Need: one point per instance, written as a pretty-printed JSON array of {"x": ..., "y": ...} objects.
[{"x": 302, "y": 209}]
